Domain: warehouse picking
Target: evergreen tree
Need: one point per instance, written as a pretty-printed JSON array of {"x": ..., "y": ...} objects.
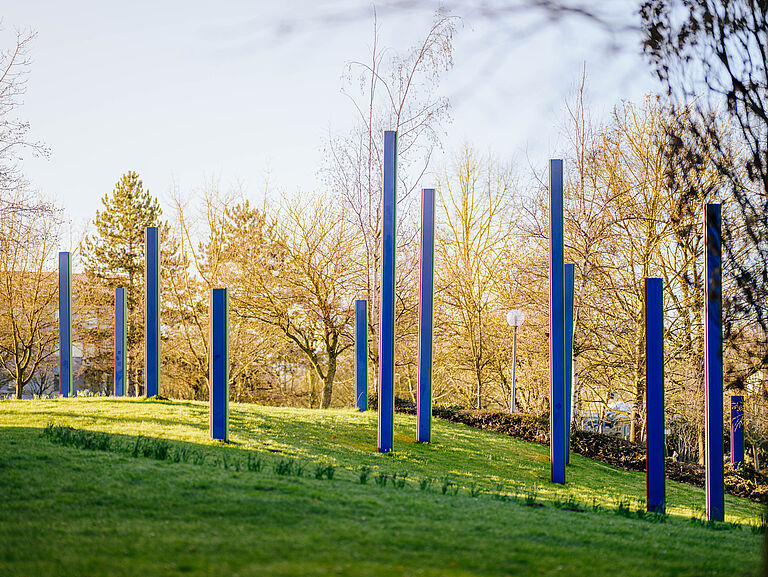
[{"x": 114, "y": 257}]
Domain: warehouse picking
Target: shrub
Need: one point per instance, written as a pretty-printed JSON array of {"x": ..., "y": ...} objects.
[
  {"x": 324, "y": 471},
  {"x": 254, "y": 464},
  {"x": 284, "y": 467}
]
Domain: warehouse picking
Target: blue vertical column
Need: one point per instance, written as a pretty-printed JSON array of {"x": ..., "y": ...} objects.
[
  {"x": 713, "y": 365},
  {"x": 66, "y": 386},
  {"x": 151, "y": 311},
  {"x": 218, "y": 364},
  {"x": 737, "y": 431},
  {"x": 387, "y": 309},
  {"x": 361, "y": 355},
  {"x": 121, "y": 338},
  {"x": 556, "y": 324},
  {"x": 654, "y": 394},
  {"x": 568, "y": 282},
  {"x": 426, "y": 317}
]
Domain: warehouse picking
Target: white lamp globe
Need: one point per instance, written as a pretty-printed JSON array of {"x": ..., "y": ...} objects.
[{"x": 515, "y": 318}]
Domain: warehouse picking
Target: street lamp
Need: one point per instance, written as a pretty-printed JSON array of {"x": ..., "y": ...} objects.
[{"x": 515, "y": 318}]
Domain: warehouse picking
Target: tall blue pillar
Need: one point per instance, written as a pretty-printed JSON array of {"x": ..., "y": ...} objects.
[
  {"x": 387, "y": 309},
  {"x": 713, "y": 365},
  {"x": 218, "y": 364},
  {"x": 556, "y": 324},
  {"x": 121, "y": 338},
  {"x": 426, "y": 315},
  {"x": 151, "y": 311},
  {"x": 654, "y": 395},
  {"x": 568, "y": 282},
  {"x": 737, "y": 431},
  {"x": 66, "y": 385},
  {"x": 361, "y": 355}
]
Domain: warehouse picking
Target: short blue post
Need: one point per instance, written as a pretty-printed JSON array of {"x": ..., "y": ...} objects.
[
  {"x": 387, "y": 309},
  {"x": 713, "y": 365},
  {"x": 218, "y": 364},
  {"x": 556, "y": 324},
  {"x": 361, "y": 355},
  {"x": 152, "y": 311},
  {"x": 426, "y": 294},
  {"x": 737, "y": 431},
  {"x": 66, "y": 385},
  {"x": 121, "y": 335},
  {"x": 654, "y": 395},
  {"x": 568, "y": 362}
]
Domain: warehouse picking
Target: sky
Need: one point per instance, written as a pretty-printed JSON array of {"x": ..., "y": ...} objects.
[{"x": 245, "y": 92}]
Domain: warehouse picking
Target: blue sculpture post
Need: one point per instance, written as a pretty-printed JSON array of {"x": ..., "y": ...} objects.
[
  {"x": 121, "y": 337},
  {"x": 218, "y": 364},
  {"x": 713, "y": 365},
  {"x": 361, "y": 355},
  {"x": 556, "y": 324},
  {"x": 654, "y": 395},
  {"x": 66, "y": 386},
  {"x": 152, "y": 311},
  {"x": 387, "y": 309},
  {"x": 737, "y": 431},
  {"x": 568, "y": 356},
  {"x": 426, "y": 293}
]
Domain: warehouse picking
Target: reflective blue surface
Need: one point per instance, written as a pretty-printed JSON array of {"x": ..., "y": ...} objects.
[
  {"x": 152, "y": 311},
  {"x": 570, "y": 273},
  {"x": 654, "y": 375},
  {"x": 426, "y": 317},
  {"x": 66, "y": 385},
  {"x": 121, "y": 333},
  {"x": 713, "y": 365},
  {"x": 387, "y": 309},
  {"x": 737, "y": 431},
  {"x": 218, "y": 364},
  {"x": 556, "y": 324},
  {"x": 361, "y": 355}
]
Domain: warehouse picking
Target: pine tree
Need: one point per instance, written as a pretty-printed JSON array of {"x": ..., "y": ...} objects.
[{"x": 114, "y": 257}]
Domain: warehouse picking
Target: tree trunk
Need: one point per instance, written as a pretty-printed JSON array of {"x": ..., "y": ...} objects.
[
  {"x": 479, "y": 376},
  {"x": 601, "y": 416},
  {"x": 701, "y": 445},
  {"x": 19, "y": 389},
  {"x": 639, "y": 400},
  {"x": 311, "y": 384},
  {"x": 328, "y": 383}
]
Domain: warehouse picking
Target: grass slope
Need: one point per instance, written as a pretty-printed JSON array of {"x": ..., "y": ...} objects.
[{"x": 69, "y": 511}]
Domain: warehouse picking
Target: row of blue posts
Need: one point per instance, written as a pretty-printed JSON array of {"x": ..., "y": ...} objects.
[
  {"x": 561, "y": 297},
  {"x": 561, "y": 283},
  {"x": 386, "y": 397},
  {"x": 218, "y": 342}
]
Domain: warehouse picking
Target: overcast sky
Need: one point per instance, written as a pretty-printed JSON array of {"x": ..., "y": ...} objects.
[{"x": 240, "y": 91}]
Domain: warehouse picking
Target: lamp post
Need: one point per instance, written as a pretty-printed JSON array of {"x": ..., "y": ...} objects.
[{"x": 515, "y": 318}]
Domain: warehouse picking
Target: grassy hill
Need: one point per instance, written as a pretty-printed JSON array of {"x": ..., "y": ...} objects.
[{"x": 304, "y": 492}]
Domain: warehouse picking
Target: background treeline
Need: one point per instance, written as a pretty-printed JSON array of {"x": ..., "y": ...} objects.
[{"x": 295, "y": 263}]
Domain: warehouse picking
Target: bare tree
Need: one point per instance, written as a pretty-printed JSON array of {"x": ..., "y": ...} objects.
[
  {"x": 296, "y": 272},
  {"x": 28, "y": 289},
  {"x": 711, "y": 55},
  {"x": 15, "y": 133},
  {"x": 475, "y": 198},
  {"x": 397, "y": 91},
  {"x": 208, "y": 247}
]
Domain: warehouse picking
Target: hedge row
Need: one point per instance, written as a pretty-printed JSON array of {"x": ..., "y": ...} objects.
[{"x": 745, "y": 482}]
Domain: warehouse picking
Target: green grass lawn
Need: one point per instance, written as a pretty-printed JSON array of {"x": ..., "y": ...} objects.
[{"x": 473, "y": 502}]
